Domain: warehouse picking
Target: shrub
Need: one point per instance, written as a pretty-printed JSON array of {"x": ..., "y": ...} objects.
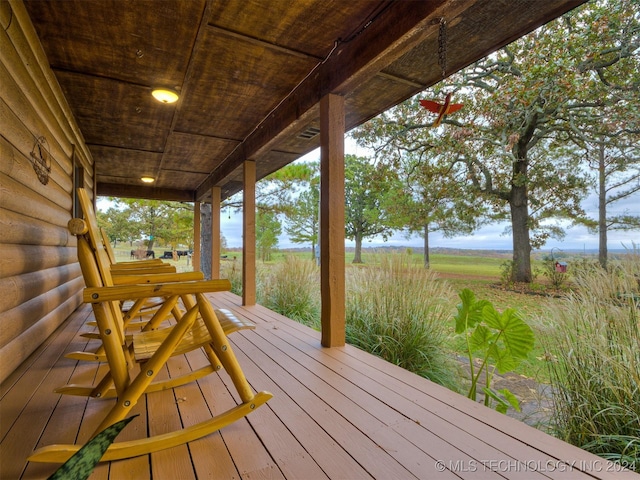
[
  {"x": 398, "y": 312},
  {"x": 291, "y": 288},
  {"x": 555, "y": 276},
  {"x": 506, "y": 273},
  {"x": 596, "y": 372}
]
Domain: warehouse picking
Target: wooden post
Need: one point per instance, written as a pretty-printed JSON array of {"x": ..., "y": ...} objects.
[
  {"x": 332, "y": 269},
  {"x": 249, "y": 234},
  {"x": 196, "y": 237},
  {"x": 215, "y": 232}
]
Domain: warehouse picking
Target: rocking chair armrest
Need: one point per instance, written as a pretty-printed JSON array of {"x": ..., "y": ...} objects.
[
  {"x": 131, "y": 292},
  {"x": 139, "y": 263},
  {"x": 152, "y": 278},
  {"x": 142, "y": 269}
]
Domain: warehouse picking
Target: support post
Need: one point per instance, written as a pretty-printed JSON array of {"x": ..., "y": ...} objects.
[
  {"x": 195, "y": 260},
  {"x": 332, "y": 218},
  {"x": 215, "y": 232},
  {"x": 249, "y": 234}
]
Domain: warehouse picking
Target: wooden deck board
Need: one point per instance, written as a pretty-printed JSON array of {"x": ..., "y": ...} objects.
[
  {"x": 336, "y": 413},
  {"x": 417, "y": 423}
]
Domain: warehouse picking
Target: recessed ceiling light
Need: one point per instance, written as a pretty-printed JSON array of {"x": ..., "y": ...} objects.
[
  {"x": 148, "y": 179},
  {"x": 165, "y": 95}
]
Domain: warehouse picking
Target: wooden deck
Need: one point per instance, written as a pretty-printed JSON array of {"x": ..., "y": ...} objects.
[{"x": 336, "y": 413}]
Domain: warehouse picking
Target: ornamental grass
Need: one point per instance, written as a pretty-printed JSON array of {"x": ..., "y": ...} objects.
[{"x": 595, "y": 367}]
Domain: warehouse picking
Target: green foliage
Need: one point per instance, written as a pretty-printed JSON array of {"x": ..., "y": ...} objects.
[
  {"x": 501, "y": 338},
  {"x": 596, "y": 369},
  {"x": 291, "y": 289},
  {"x": 515, "y": 144},
  {"x": 398, "y": 311},
  {"x": 369, "y": 191},
  {"x": 118, "y": 225},
  {"x": 303, "y": 218},
  {"x": 268, "y": 228},
  {"x": 81, "y": 464},
  {"x": 168, "y": 222}
]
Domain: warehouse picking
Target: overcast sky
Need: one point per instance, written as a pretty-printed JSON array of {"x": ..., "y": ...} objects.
[{"x": 491, "y": 237}]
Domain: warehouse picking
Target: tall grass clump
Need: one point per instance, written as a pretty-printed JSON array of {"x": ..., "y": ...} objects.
[
  {"x": 595, "y": 346},
  {"x": 292, "y": 288},
  {"x": 232, "y": 270},
  {"x": 398, "y": 311}
]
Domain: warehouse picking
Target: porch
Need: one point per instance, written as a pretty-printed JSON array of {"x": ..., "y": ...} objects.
[{"x": 336, "y": 413}]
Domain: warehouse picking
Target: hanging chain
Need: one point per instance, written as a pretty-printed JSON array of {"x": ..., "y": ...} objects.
[{"x": 442, "y": 46}]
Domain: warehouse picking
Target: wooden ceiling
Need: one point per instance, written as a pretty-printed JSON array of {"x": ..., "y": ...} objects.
[{"x": 250, "y": 74}]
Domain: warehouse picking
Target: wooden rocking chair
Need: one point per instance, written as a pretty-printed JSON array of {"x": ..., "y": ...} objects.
[
  {"x": 126, "y": 273},
  {"x": 199, "y": 327}
]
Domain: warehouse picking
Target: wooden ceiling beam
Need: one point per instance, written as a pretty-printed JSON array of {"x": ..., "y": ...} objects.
[
  {"x": 398, "y": 29},
  {"x": 149, "y": 193},
  {"x": 260, "y": 43}
]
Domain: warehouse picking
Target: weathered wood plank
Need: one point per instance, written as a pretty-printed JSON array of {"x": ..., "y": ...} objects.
[
  {"x": 18, "y": 259},
  {"x": 24, "y": 124},
  {"x": 209, "y": 455},
  {"x": 317, "y": 400},
  {"x": 37, "y": 205},
  {"x": 404, "y": 25},
  {"x": 22, "y": 288},
  {"x": 17, "y": 166},
  {"x": 33, "y": 70},
  {"x": 16, "y": 351},
  {"x": 20, "y": 229},
  {"x": 27, "y": 395},
  {"x": 19, "y": 319},
  {"x": 163, "y": 417},
  {"x": 421, "y": 400}
]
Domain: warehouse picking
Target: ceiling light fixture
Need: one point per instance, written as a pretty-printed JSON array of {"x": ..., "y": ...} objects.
[
  {"x": 148, "y": 179},
  {"x": 165, "y": 95}
]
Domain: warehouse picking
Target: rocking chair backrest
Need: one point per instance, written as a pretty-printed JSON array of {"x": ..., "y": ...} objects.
[
  {"x": 108, "y": 314},
  {"x": 95, "y": 238},
  {"x": 107, "y": 246}
]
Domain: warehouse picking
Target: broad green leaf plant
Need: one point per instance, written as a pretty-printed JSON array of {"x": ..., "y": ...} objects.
[{"x": 500, "y": 340}]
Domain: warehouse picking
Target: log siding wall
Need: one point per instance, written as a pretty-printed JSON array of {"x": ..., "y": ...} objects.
[{"x": 40, "y": 278}]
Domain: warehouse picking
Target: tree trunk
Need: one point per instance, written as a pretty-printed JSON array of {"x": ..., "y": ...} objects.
[
  {"x": 519, "y": 205},
  {"x": 426, "y": 246},
  {"x": 205, "y": 240},
  {"x": 602, "y": 209},
  {"x": 358, "y": 256}
]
